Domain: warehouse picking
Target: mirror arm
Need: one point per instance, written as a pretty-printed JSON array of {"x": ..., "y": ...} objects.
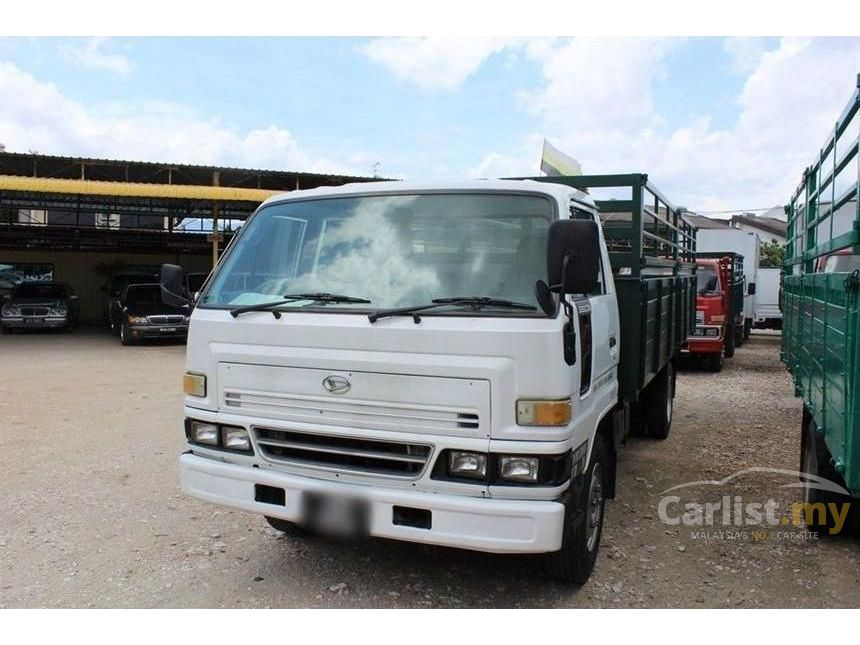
[{"x": 187, "y": 302}]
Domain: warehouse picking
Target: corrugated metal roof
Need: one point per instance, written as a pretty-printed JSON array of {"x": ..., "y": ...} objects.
[
  {"x": 124, "y": 189},
  {"x": 97, "y": 160}
]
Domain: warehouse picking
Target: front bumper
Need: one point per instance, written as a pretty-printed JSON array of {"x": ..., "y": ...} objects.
[
  {"x": 34, "y": 322},
  {"x": 480, "y": 524},
  {"x": 701, "y": 344},
  {"x": 158, "y": 331}
]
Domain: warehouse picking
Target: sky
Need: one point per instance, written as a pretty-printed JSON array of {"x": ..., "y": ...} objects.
[{"x": 717, "y": 123}]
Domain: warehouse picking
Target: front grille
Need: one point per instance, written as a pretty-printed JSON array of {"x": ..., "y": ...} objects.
[
  {"x": 367, "y": 456},
  {"x": 375, "y": 415},
  {"x": 34, "y": 311},
  {"x": 165, "y": 320}
]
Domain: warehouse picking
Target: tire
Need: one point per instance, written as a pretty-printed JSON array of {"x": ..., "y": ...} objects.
[
  {"x": 729, "y": 344},
  {"x": 815, "y": 460},
  {"x": 583, "y": 523},
  {"x": 8, "y": 330},
  {"x": 286, "y": 527},
  {"x": 715, "y": 362},
  {"x": 124, "y": 336},
  {"x": 660, "y": 404}
]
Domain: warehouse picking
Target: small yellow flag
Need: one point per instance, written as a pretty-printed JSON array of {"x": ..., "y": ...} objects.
[{"x": 555, "y": 163}]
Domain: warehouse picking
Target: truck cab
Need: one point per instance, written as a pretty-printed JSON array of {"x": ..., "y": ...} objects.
[
  {"x": 430, "y": 363},
  {"x": 719, "y": 312}
]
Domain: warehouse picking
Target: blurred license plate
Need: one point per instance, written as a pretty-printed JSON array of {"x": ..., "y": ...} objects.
[
  {"x": 168, "y": 329},
  {"x": 342, "y": 517},
  {"x": 31, "y": 321}
]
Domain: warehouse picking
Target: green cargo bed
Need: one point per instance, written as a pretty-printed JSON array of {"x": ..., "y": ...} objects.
[
  {"x": 821, "y": 320},
  {"x": 652, "y": 251}
]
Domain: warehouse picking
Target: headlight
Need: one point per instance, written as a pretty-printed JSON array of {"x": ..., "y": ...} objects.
[
  {"x": 234, "y": 438},
  {"x": 194, "y": 384},
  {"x": 57, "y": 311},
  {"x": 519, "y": 469},
  {"x": 467, "y": 464},
  {"x": 11, "y": 310},
  {"x": 137, "y": 320},
  {"x": 205, "y": 433},
  {"x": 543, "y": 413}
]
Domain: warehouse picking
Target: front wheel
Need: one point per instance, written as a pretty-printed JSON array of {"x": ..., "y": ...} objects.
[
  {"x": 729, "y": 344},
  {"x": 125, "y": 336},
  {"x": 715, "y": 362},
  {"x": 583, "y": 523}
]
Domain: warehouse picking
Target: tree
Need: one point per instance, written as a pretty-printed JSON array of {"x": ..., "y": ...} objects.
[{"x": 772, "y": 254}]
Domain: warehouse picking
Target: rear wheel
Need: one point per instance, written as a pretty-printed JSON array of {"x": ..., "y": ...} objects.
[
  {"x": 583, "y": 523},
  {"x": 660, "y": 403},
  {"x": 815, "y": 460}
]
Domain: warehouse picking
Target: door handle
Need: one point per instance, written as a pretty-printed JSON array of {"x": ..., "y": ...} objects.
[{"x": 612, "y": 341}]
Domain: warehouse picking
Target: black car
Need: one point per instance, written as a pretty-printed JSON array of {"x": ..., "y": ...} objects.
[
  {"x": 144, "y": 316},
  {"x": 117, "y": 284},
  {"x": 40, "y": 305}
]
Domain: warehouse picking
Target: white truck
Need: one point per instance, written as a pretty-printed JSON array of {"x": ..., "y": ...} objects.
[
  {"x": 443, "y": 363},
  {"x": 768, "y": 315},
  {"x": 748, "y": 244}
]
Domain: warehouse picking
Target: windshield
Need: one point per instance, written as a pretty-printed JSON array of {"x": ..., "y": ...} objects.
[
  {"x": 842, "y": 263},
  {"x": 394, "y": 250},
  {"x": 707, "y": 282},
  {"x": 31, "y": 290},
  {"x": 120, "y": 282},
  {"x": 143, "y": 295}
]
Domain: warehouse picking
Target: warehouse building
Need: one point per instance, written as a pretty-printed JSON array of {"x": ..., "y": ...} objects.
[{"x": 79, "y": 220}]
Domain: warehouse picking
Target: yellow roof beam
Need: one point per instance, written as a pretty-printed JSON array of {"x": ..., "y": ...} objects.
[{"x": 125, "y": 189}]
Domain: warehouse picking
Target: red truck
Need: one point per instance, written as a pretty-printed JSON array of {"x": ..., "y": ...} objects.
[{"x": 719, "y": 307}]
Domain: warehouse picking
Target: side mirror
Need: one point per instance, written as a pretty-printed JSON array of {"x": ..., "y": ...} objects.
[
  {"x": 173, "y": 286},
  {"x": 751, "y": 289},
  {"x": 573, "y": 256}
]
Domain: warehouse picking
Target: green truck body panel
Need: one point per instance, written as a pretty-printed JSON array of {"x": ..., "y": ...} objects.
[
  {"x": 652, "y": 252},
  {"x": 821, "y": 318}
]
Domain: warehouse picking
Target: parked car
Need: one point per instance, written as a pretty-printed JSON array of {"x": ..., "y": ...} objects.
[
  {"x": 144, "y": 316},
  {"x": 40, "y": 305},
  {"x": 116, "y": 286}
]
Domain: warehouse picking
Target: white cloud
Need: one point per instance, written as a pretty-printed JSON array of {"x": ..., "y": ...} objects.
[
  {"x": 92, "y": 54},
  {"x": 36, "y": 116},
  {"x": 433, "y": 63},
  {"x": 597, "y": 103},
  {"x": 745, "y": 52}
]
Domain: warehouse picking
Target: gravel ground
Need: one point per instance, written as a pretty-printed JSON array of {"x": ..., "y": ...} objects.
[{"x": 93, "y": 516}]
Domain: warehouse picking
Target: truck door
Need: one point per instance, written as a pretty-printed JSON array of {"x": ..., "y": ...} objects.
[{"x": 605, "y": 342}]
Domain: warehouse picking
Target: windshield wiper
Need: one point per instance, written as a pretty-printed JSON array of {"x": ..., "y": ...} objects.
[
  {"x": 475, "y": 302},
  {"x": 292, "y": 297}
]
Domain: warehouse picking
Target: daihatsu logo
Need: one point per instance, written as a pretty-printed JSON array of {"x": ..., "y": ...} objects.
[{"x": 336, "y": 384}]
